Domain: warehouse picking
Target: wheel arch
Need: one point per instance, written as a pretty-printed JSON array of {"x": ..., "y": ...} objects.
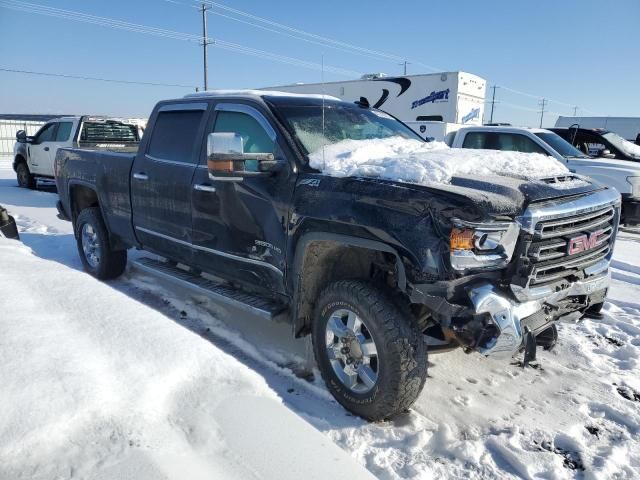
[
  {"x": 85, "y": 195},
  {"x": 329, "y": 257}
]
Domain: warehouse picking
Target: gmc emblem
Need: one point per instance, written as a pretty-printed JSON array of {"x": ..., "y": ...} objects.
[{"x": 583, "y": 243}]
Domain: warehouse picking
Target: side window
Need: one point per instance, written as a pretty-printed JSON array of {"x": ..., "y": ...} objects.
[
  {"x": 46, "y": 134},
  {"x": 477, "y": 140},
  {"x": 518, "y": 143},
  {"x": 64, "y": 131},
  {"x": 591, "y": 145},
  {"x": 255, "y": 139},
  {"x": 174, "y": 135}
]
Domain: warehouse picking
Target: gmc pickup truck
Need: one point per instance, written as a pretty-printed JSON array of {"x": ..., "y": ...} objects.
[
  {"x": 33, "y": 157},
  {"x": 376, "y": 271}
]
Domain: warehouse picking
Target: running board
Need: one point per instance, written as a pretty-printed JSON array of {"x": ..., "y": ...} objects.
[{"x": 217, "y": 292}]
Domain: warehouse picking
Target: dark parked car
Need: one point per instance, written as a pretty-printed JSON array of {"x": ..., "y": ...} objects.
[
  {"x": 596, "y": 142},
  {"x": 8, "y": 226}
]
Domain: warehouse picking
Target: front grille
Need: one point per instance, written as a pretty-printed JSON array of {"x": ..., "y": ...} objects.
[{"x": 549, "y": 252}]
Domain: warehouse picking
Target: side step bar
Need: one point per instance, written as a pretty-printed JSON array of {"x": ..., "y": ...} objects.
[{"x": 219, "y": 293}]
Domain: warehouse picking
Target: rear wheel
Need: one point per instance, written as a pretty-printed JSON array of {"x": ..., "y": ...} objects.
[
  {"x": 98, "y": 258},
  {"x": 370, "y": 353},
  {"x": 25, "y": 179}
]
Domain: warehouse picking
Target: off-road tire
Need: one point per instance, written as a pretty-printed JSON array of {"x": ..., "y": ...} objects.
[
  {"x": 24, "y": 176},
  {"x": 112, "y": 262},
  {"x": 402, "y": 351}
]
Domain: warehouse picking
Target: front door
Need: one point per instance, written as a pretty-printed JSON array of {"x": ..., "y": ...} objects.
[
  {"x": 161, "y": 181},
  {"x": 240, "y": 222},
  {"x": 40, "y": 150}
]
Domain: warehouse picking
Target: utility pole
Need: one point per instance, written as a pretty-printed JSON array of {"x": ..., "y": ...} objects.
[
  {"x": 205, "y": 42},
  {"x": 404, "y": 64},
  {"x": 543, "y": 104},
  {"x": 493, "y": 102}
]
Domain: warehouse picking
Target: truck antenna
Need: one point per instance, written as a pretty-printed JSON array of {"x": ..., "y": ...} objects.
[{"x": 324, "y": 164}]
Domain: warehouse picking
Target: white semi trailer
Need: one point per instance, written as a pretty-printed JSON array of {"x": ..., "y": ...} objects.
[{"x": 432, "y": 104}]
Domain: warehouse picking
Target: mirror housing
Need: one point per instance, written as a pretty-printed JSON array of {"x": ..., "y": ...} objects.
[
  {"x": 226, "y": 157},
  {"x": 21, "y": 136},
  {"x": 606, "y": 153}
]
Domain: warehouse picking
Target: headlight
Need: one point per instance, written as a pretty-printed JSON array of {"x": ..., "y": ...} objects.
[
  {"x": 635, "y": 186},
  {"x": 478, "y": 246}
]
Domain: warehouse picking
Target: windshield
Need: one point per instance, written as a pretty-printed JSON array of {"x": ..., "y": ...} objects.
[
  {"x": 627, "y": 147},
  {"x": 560, "y": 145},
  {"x": 341, "y": 122}
]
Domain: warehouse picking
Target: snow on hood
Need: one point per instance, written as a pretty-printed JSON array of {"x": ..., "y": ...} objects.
[
  {"x": 631, "y": 148},
  {"x": 423, "y": 163}
]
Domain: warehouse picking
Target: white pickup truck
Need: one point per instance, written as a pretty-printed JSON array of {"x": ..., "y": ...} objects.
[
  {"x": 33, "y": 157},
  {"x": 623, "y": 175}
]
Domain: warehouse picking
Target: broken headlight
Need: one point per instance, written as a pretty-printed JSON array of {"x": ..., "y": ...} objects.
[{"x": 482, "y": 246}]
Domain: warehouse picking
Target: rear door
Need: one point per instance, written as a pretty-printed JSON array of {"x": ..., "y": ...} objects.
[
  {"x": 240, "y": 222},
  {"x": 40, "y": 148},
  {"x": 62, "y": 138},
  {"x": 161, "y": 180}
]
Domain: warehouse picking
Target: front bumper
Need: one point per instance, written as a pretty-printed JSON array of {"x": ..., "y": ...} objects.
[{"x": 509, "y": 319}]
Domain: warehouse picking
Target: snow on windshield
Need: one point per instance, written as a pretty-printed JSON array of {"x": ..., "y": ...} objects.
[{"x": 418, "y": 162}]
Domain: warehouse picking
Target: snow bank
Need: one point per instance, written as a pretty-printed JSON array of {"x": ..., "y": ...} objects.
[
  {"x": 95, "y": 384},
  {"x": 414, "y": 161}
]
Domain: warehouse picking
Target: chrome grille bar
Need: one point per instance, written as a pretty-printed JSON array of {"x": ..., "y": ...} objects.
[{"x": 571, "y": 225}]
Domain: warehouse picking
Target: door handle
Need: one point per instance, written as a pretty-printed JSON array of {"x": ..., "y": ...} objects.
[
  {"x": 141, "y": 176},
  {"x": 204, "y": 188},
  {"x": 46, "y": 149}
]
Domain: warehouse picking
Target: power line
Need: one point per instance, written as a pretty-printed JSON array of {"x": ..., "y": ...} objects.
[
  {"x": 330, "y": 42},
  {"x": 97, "y": 79},
  {"x": 538, "y": 97},
  {"x": 144, "y": 29},
  {"x": 302, "y": 35}
]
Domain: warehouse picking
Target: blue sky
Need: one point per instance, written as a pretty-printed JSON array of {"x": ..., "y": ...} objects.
[{"x": 583, "y": 53}]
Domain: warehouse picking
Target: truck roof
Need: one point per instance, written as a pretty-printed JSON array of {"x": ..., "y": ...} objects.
[
  {"x": 510, "y": 129},
  {"x": 249, "y": 93}
]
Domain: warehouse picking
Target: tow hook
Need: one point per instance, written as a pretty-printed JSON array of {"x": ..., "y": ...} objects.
[{"x": 530, "y": 348}]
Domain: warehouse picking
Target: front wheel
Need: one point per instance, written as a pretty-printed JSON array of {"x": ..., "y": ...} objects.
[
  {"x": 371, "y": 355},
  {"x": 96, "y": 254},
  {"x": 25, "y": 179}
]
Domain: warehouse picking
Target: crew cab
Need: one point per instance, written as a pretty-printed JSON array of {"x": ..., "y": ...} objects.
[
  {"x": 623, "y": 175},
  {"x": 377, "y": 271},
  {"x": 33, "y": 157}
]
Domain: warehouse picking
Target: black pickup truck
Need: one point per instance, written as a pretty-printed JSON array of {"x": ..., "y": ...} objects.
[{"x": 377, "y": 271}]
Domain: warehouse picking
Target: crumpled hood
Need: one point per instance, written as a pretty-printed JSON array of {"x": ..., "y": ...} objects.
[{"x": 501, "y": 195}]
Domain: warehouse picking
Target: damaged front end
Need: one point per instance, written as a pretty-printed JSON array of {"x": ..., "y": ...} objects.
[{"x": 514, "y": 283}]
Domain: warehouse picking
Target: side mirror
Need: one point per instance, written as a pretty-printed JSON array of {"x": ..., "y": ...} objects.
[
  {"x": 606, "y": 153},
  {"x": 226, "y": 157},
  {"x": 21, "y": 136}
]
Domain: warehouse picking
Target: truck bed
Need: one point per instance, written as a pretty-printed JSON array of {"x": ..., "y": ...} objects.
[{"x": 109, "y": 174}]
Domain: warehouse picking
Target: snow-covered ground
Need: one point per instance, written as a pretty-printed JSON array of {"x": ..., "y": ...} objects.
[{"x": 133, "y": 379}]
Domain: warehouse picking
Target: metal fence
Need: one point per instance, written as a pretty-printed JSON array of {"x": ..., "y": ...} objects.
[{"x": 8, "y": 129}]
